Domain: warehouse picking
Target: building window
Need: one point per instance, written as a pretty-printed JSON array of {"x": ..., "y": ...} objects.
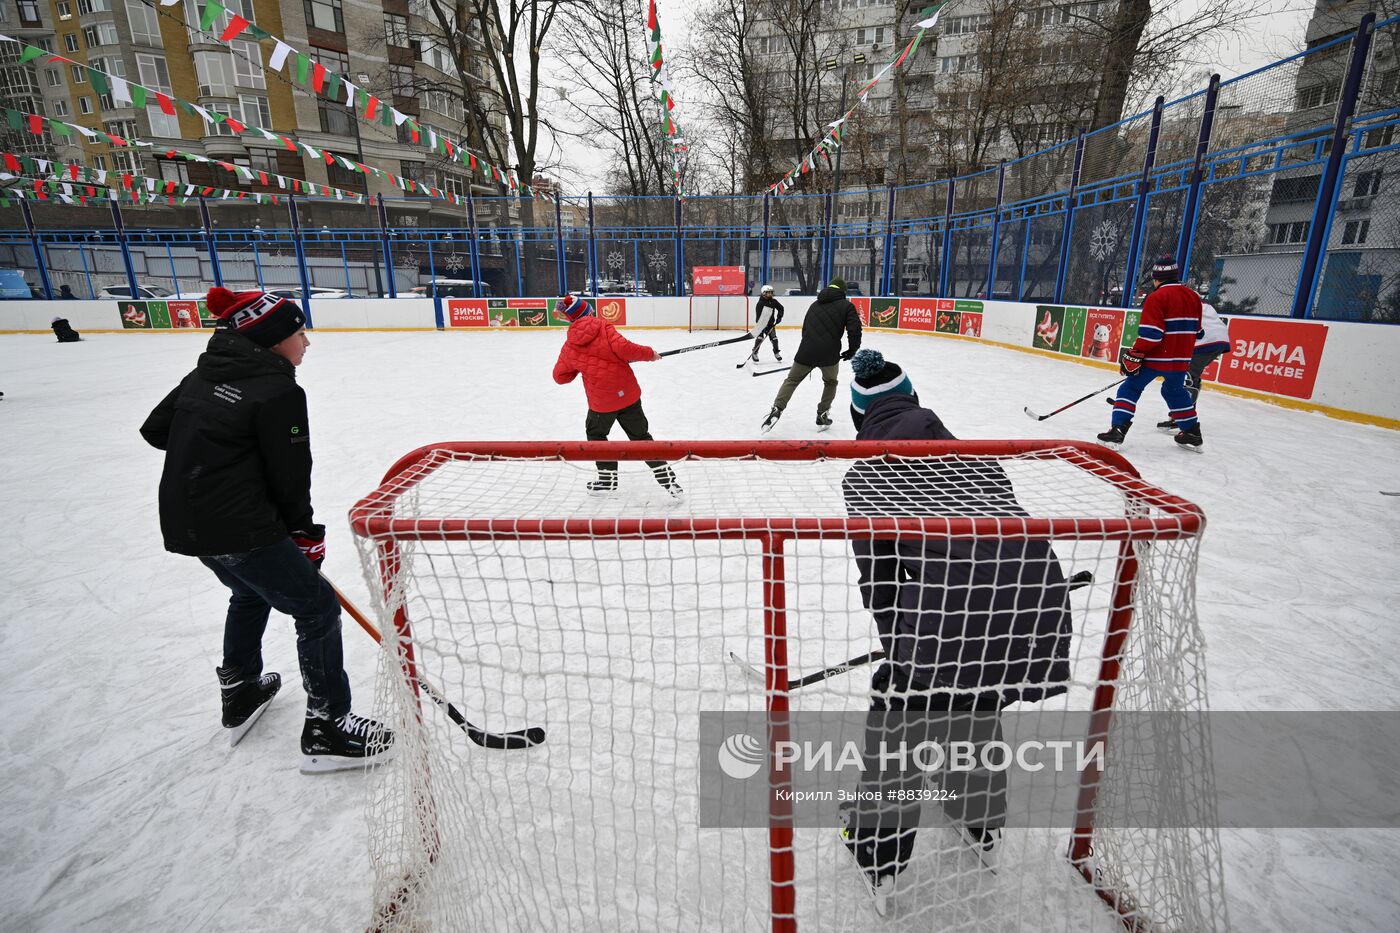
[
  {"x": 261, "y": 160},
  {"x": 95, "y": 6},
  {"x": 112, "y": 66},
  {"x": 99, "y": 163},
  {"x": 436, "y": 56},
  {"x": 60, "y": 108},
  {"x": 79, "y": 74},
  {"x": 124, "y": 160},
  {"x": 65, "y": 9},
  {"x": 396, "y": 30},
  {"x": 1319, "y": 95},
  {"x": 324, "y": 14},
  {"x": 100, "y": 35},
  {"x": 966, "y": 25},
  {"x": 126, "y": 129},
  {"x": 70, "y": 42},
  {"x": 401, "y": 80},
  {"x": 162, "y": 124},
  {"x": 105, "y": 102},
  {"x": 170, "y": 170},
  {"x": 1295, "y": 232},
  {"x": 341, "y": 177},
  {"x": 53, "y": 77},
  {"x": 255, "y": 110},
  {"x": 1368, "y": 184},
  {"x": 247, "y": 65},
  {"x": 215, "y": 73},
  {"x": 85, "y": 105},
  {"x": 28, "y": 12},
  {"x": 145, "y": 28},
  {"x": 152, "y": 72},
  {"x": 869, "y": 35},
  {"x": 1354, "y": 233}
]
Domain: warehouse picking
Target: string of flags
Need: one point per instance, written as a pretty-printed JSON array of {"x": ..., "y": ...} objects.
[
  {"x": 834, "y": 136},
  {"x": 310, "y": 75},
  {"x": 665, "y": 95}
]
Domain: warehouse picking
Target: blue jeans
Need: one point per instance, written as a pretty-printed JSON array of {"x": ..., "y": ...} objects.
[
  {"x": 280, "y": 577},
  {"x": 1180, "y": 406}
]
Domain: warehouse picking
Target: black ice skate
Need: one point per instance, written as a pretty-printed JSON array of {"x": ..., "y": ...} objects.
[
  {"x": 1113, "y": 437},
  {"x": 983, "y": 842},
  {"x": 880, "y": 859},
  {"x": 777, "y": 357},
  {"x": 244, "y": 700},
  {"x": 1190, "y": 439},
  {"x": 773, "y": 415},
  {"x": 823, "y": 420},
  {"x": 1169, "y": 425},
  {"x": 667, "y": 478},
  {"x": 348, "y": 742},
  {"x": 604, "y": 485}
]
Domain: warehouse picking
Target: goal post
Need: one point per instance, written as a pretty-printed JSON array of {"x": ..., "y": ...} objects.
[
  {"x": 718, "y": 298},
  {"x": 607, "y": 622}
]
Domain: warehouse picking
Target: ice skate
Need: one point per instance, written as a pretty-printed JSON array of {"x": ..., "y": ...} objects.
[
  {"x": 1114, "y": 436},
  {"x": 1190, "y": 439},
  {"x": 823, "y": 420},
  {"x": 1168, "y": 426},
  {"x": 604, "y": 485},
  {"x": 244, "y": 701},
  {"x": 773, "y": 415},
  {"x": 348, "y": 742}
]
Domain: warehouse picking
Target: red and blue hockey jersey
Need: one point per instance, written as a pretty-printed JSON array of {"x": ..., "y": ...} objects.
[{"x": 1166, "y": 338}]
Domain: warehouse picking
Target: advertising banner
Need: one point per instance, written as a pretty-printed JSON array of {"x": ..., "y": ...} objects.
[
  {"x": 1103, "y": 332},
  {"x": 1049, "y": 321},
  {"x": 862, "y": 309},
  {"x": 466, "y": 312},
  {"x": 614, "y": 310},
  {"x": 717, "y": 280},
  {"x": 1282, "y": 357},
  {"x": 919, "y": 313},
  {"x": 884, "y": 312}
]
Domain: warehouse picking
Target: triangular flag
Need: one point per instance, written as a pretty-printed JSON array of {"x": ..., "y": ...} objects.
[
  {"x": 167, "y": 106},
  {"x": 211, "y": 12},
  {"x": 234, "y": 29},
  {"x": 28, "y": 53},
  {"x": 278, "y": 58},
  {"x": 303, "y": 67},
  {"x": 318, "y": 77},
  {"x": 121, "y": 91}
]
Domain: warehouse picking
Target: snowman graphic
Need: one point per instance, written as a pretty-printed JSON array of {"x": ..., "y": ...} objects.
[{"x": 1099, "y": 348}]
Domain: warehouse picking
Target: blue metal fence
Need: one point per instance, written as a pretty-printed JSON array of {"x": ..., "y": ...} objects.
[{"x": 1278, "y": 190}]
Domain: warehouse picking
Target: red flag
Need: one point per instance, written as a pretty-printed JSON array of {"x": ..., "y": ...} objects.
[
  {"x": 372, "y": 107},
  {"x": 262, "y": 178},
  {"x": 11, "y": 162},
  {"x": 167, "y": 106},
  {"x": 73, "y": 172},
  {"x": 235, "y": 125},
  {"x": 318, "y": 76},
  {"x": 116, "y": 140},
  {"x": 169, "y": 187},
  {"x": 207, "y": 191},
  {"x": 473, "y": 165},
  {"x": 91, "y": 191},
  {"x": 287, "y": 141},
  {"x": 330, "y": 159},
  {"x": 296, "y": 184},
  {"x": 235, "y": 26},
  {"x": 36, "y": 124},
  {"x": 126, "y": 181}
]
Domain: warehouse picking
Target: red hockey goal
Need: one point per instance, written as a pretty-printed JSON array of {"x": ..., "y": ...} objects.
[{"x": 581, "y": 640}]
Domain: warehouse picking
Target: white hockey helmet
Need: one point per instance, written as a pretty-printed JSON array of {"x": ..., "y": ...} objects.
[{"x": 766, "y": 290}]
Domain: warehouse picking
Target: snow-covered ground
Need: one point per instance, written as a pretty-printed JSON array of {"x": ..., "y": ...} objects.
[{"x": 126, "y": 810}]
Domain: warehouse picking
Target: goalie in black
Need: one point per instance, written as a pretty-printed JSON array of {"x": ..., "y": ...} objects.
[
  {"x": 967, "y": 626},
  {"x": 770, "y": 315}
]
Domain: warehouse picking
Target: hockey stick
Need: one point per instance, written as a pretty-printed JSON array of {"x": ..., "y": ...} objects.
[
  {"x": 1081, "y": 579},
  {"x": 519, "y": 738},
  {"x": 706, "y": 346},
  {"x": 769, "y": 372},
  {"x": 1387, "y": 493},
  {"x": 1031, "y": 414}
]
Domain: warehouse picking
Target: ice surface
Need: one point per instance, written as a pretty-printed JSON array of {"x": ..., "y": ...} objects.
[{"x": 126, "y": 809}]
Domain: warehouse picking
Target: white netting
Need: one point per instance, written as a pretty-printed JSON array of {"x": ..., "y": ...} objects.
[{"x": 615, "y": 646}]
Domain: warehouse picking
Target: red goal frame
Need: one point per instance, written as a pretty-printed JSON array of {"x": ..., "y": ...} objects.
[{"x": 371, "y": 517}]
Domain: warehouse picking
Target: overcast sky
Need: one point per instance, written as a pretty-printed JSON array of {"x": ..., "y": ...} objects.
[{"x": 1276, "y": 37}]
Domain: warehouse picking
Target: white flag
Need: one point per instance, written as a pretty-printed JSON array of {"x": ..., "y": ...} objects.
[
  {"x": 278, "y": 58},
  {"x": 121, "y": 91}
]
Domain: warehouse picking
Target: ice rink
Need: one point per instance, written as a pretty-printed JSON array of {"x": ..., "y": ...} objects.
[{"x": 127, "y": 810}]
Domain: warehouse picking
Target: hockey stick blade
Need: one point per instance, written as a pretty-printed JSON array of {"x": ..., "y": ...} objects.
[
  {"x": 518, "y": 738},
  {"x": 746, "y": 667},
  {"x": 1388, "y": 493},
  {"x": 769, "y": 372},
  {"x": 1034, "y": 416}
]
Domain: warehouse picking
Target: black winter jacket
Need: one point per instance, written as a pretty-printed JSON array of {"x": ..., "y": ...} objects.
[
  {"x": 237, "y": 452},
  {"x": 975, "y": 616},
  {"x": 828, "y": 316}
]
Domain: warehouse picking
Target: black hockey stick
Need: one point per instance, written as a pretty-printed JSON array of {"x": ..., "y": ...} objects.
[
  {"x": 1031, "y": 414},
  {"x": 1081, "y": 579},
  {"x": 706, "y": 346},
  {"x": 769, "y": 372},
  {"x": 519, "y": 738}
]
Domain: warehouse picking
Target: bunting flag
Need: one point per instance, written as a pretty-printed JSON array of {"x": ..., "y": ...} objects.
[
  {"x": 833, "y": 137},
  {"x": 661, "y": 85}
]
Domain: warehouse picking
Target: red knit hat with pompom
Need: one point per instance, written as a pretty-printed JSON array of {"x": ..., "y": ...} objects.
[{"x": 265, "y": 319}]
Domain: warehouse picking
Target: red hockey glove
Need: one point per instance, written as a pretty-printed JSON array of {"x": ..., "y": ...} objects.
[
  {"x": 312, "y": 544},
  {"x": 1128, "y": 364}
]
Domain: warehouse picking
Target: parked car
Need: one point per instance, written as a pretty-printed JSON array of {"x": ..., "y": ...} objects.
[
  {"x": 13, "y": 285},
  {"x": 123, "y": 292},
  {"x": 453, "y": 288},
  {"x": 316, "y": 293}
]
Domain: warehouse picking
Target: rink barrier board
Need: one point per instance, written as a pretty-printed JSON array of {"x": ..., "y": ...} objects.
[{"x": 1344, "y": 370}]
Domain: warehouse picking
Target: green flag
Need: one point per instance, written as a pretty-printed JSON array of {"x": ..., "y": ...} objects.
[
  {"x": 211, "y": 12},
  {"x": 99, "y": 81},
  {"x": 12, "y": 118},
  {"x": 303, "y": 66},
  {"x": 138, "y": 96},
  {"x": 29, "y": 53}
]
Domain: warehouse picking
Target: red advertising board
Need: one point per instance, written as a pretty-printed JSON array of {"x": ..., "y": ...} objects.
[
  {"x": 1103, "y": 332},
  {"x": 613, "y": 310},
  {"x": 717, "y": 280},
  {"x": 1282, "y": 357},
  {"x": 919, "y": 313},
  {"x": 971, "y": 324},
  {"x": 184, "y": 314},
  {"x": 863, "y": 309},
  {"x": 466, "y": 312}
]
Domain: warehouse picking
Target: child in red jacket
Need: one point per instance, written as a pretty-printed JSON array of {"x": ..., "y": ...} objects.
[
  {"x": 1166, "y": 339},
  {"x": 594, "y": 349}
]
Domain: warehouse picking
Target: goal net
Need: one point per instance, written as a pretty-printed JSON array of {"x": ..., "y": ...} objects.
[{"x": 588, "y": 645}]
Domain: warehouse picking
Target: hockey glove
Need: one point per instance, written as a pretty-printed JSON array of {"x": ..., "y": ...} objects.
[
  {"x": 312, "y": 543},
  {"x": 1128, "y": 364},
  {"x": 848, "y": 354}
]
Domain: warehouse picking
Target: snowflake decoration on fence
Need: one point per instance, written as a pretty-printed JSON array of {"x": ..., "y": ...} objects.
[
  {"x": 658, "y": 263},
  {"x": 616, "y": 260},
  {"x": 1103, "y": 241},
  {"x": 454, "y": 263}
]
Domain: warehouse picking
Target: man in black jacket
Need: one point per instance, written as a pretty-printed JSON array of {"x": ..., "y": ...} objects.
[
  {"x": 828, "y": 316},
  {"x": 236, "y": 493},
  {"x": 967, "y": 626},
  {"x": 768, "y": 315}
]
